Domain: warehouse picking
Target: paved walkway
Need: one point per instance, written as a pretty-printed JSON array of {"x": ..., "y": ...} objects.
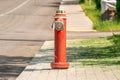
[
  {"x": 77, "y": 20},
  {"x": 39, "y": 69}
]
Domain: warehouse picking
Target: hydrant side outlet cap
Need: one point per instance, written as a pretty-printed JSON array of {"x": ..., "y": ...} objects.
[{"x": 59, "y": 25}]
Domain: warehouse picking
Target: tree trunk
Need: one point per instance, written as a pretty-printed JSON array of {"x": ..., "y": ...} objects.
[{"x": 118, "y": 10}]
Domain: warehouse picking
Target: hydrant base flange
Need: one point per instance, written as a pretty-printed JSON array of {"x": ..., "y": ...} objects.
[{"x": 60, "y": 65}]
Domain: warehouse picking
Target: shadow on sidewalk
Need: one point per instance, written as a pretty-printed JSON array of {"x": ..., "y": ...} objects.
[
  {"x": 70, "y": 2},
  {"x": 50, "y": 4}
]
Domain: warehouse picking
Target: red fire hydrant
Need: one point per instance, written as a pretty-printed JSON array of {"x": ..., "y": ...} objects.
[{"x": 60, "y": 41}]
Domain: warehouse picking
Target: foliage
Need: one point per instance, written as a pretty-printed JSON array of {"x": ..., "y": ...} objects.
[
  {"x": 107, "y": 26},
  {"x": 95, "y": 15},
  {"x": 98, "y": 5},
  {"x": 118, "y": 9},
  {"x": 81, "y": 1}
]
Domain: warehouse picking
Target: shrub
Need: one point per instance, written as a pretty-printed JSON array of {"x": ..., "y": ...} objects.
[
  {"x": 82, "y": 1},
  {"x": 98, "y": 5},
  {"x": 118, "y": 9}
]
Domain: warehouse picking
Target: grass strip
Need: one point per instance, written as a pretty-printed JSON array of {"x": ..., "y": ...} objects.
[
  {"x": 95, "y": 15},
  {"x": 97, "y": 51}
]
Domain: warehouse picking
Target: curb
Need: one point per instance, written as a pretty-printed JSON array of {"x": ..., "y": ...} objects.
[{"x": 39, "y": 61}]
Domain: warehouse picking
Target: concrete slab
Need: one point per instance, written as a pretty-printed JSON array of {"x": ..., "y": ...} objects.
[{"x": 77, "y": 20}]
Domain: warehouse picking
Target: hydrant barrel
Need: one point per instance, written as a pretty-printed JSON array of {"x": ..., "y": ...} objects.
[{"x": 60, "y": 41}]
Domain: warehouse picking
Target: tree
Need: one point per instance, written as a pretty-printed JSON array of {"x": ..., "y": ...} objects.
[
  {"x": 82, "y": 1},
  {"x": 118, "y": 10},
  {"x": 98, "y": 5}
]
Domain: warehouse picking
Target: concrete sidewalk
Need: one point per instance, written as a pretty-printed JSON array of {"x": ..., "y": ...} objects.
[
  {"x": 77, "y": 20},
  {"x": 39, "y": 69}
]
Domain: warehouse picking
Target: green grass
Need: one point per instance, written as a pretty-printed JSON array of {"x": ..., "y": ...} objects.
[
  {"x": 95, "y": 16},
  {"x": 98, "y": 51}
]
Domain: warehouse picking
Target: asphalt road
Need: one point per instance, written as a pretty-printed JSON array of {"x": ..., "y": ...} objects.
[{"x": 24, "y": 26}]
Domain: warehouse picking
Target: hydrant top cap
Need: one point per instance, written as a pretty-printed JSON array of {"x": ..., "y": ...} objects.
[{"x": 60, "y": 11}]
